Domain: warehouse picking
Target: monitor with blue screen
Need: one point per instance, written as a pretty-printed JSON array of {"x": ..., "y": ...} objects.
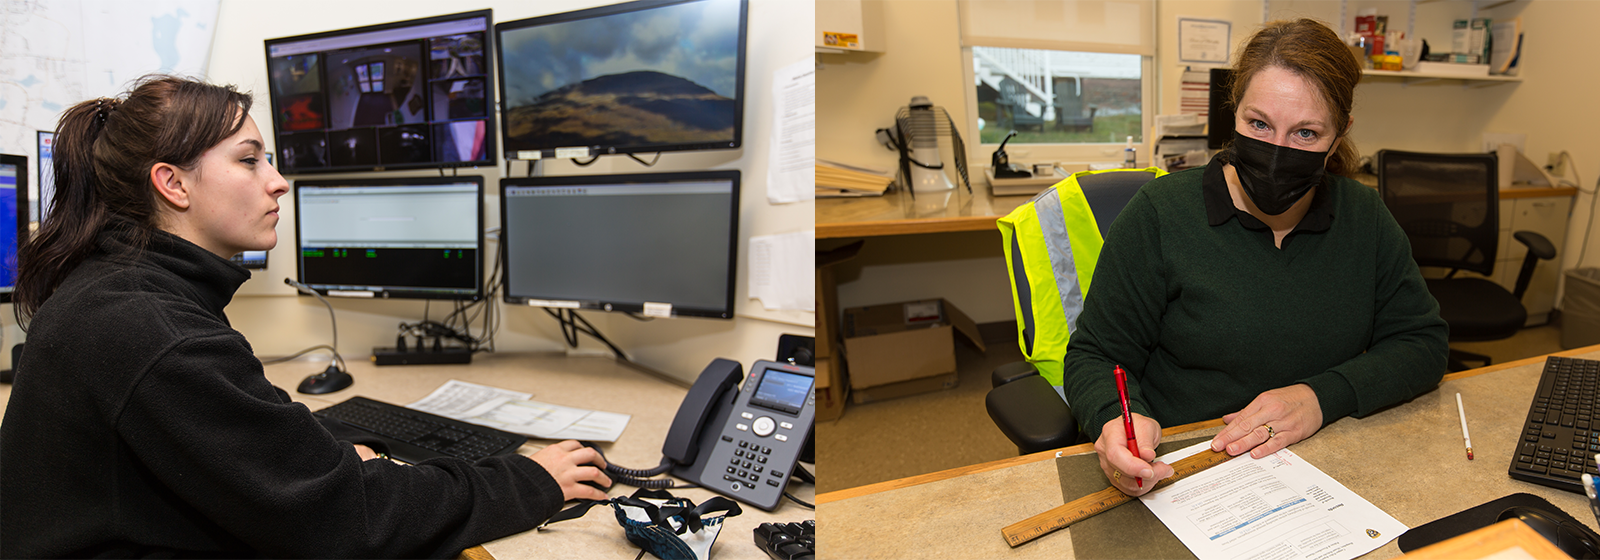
[{"x": 13, "y": 218}]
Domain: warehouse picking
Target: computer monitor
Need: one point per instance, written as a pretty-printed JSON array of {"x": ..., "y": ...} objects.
[
  {"x": 13, "y": 218},
  {"x": 409, "y": 94},
  {"x": 1219, "y": 112},
  {"x": 656, "y": 244},
  {"x": 419, "y": 238},
  {"x": 251, "y": 259},
  {"x": 636, "y": 77},
  {"x": 40, "y": 207}
]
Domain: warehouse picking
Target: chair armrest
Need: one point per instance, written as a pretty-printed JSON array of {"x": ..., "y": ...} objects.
[
  {"x": 1538, "y": 245},
  {"x": 1032, "y": 415},
  {"x": 1539, "y": 248},
  {"x": 1012, "y": 372}
]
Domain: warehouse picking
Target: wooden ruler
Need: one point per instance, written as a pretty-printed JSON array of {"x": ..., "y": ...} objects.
[{"x": 1083, "y": 508}]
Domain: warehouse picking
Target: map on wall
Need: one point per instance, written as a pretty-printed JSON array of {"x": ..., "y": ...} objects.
[{"x": 56, "y": 53}]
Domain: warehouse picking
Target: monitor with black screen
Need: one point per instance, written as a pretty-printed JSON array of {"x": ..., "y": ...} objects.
[
  {"x": 658, "y": 244},
  {"x": 636, "y": 77},
  {"x": 399, "y": 95},
  {"x": 391, "y": 238},
  {"x": 13, "y": 218},
  {"x": 1219, "y": 112}
]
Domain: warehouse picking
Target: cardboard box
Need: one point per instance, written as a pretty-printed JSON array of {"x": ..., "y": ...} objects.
[{"x": 900, "y": 349}]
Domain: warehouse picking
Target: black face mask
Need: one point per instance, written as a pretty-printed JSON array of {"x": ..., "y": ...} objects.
[{"x": 1275, "y": 177}]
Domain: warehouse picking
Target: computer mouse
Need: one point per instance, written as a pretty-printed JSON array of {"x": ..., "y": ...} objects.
[
  {"x": 330, "y": 380},
  {"x": 1571, "y": 537},
  {"x": 593, "y": 484}
]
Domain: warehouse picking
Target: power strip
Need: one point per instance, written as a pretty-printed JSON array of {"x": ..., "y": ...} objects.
[{"x": 392, "y": 357}]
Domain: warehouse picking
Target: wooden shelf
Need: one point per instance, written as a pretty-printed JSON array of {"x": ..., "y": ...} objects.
[{"x": 1414, "y": 78}]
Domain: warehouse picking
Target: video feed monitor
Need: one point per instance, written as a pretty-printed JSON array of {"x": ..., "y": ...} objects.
[
  {"x": 400, "y": 95},
  {"x": 659, "y": 244},
  {"x": 637, "y": 77},
  {"x": 13, "y": 218},
  {"x": 419, "y": 238}
]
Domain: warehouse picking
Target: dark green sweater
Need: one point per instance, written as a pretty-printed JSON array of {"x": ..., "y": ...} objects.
[{"x": 1192, "y": 298}]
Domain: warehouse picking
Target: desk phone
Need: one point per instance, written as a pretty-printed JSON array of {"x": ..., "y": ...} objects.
[{"x": 747, "y": 442}]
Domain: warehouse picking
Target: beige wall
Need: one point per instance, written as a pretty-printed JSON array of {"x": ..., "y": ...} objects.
[
  {"x": 277, "y": 322},
  {"x": 1553, "y": 105}
]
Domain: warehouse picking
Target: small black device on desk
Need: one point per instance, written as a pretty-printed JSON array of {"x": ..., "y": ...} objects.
[
  {"x": 415, "y": 436},
  {"x": 1562, "y": 432},
  {"x": 1003, "y": 168}
]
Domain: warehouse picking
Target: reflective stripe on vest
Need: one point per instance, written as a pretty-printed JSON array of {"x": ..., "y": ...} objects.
[{"x": 1057, "y": 260}]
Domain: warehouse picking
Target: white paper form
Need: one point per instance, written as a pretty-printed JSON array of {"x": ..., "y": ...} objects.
[
  {"x": 456, "y": 398},
  {"x": 549, "y": 421},
  {"x": 1278, "y": 507},
  {"x": 791, "y": 166},
  {"x": 781, "y": 270},
  {"x": 513, "y": 412}
]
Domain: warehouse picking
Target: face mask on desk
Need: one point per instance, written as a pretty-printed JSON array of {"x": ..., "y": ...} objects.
[
  {"x": 668, "y": 527},
  {"x": 1273, "y": 176}
]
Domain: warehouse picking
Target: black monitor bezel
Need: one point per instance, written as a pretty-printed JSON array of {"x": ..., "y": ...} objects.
[
  {"x": 507, "y": 243},
  {"x": 491, "y": 114},
  {"x": 397, "y": 292},
  {"x": 23, "y": 213},
  {"x": 610, "y": 10}
]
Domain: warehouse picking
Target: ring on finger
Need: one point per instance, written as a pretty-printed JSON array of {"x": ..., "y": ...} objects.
[
  {"x": 1270, "y": 433},
  {"x": 1116, "y": 475}
]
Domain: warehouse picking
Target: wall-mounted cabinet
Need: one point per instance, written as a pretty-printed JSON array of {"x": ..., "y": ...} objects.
[{"x": 849, "y": 26}]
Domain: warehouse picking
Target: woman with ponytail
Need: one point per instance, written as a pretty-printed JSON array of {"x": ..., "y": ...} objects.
[{"x": 141, "y": 424}]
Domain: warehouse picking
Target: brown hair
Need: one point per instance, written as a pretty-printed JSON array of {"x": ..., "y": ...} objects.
[
  {"x": 104, "y": 149},
  {"x": 1309, "y": 49}
]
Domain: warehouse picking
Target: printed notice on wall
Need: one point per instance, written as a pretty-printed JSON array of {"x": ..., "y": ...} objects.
[
  {"x": 781, "y": 273},
  {"x": 791, "y": 167}
]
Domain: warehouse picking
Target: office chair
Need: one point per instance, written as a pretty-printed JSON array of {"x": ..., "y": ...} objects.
[
  {"x": 1026, "y": 401},
  {"x": 1448, "y": 205}
]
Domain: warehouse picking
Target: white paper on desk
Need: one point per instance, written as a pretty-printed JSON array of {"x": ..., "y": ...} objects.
[
  {"x": 781, "y": 272},
  {"x": 456, "y": 398},
  {"x": 1278, "y": 507},
  {"x": 791, "y": 168},
  {"x": 549, "y": 421}
]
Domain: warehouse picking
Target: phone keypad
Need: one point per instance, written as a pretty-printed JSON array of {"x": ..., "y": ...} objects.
[{"x": 745, "y": 469}]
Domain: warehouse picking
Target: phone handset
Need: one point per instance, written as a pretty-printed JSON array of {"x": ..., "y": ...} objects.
[
  {"x": 683, "y": 438},
  {"x": 716, "y": 382}
]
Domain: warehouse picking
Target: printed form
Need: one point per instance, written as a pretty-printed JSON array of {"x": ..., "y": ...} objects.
[
  {"x": 513, "y": 412},
  {"x": 1278, "y": 507}
]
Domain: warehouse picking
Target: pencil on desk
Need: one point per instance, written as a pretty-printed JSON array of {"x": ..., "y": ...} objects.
[{"x": 1464, "y": 434}]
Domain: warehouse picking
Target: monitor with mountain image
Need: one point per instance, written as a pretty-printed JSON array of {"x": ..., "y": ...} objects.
[{"x": 636, "y": 77}]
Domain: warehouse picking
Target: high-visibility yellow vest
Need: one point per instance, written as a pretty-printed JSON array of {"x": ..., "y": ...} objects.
[{"x": 1052, "y": 244}]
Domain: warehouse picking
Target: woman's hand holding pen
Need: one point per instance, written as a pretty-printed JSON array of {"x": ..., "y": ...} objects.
[
  {"x": 1120, "y": 466},
  {"x": 1274, "y": 420}
]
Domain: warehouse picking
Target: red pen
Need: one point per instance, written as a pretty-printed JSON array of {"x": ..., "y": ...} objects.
[{"x": 1127, "y": 419}]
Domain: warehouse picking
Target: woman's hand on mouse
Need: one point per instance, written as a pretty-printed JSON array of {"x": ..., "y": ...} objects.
[{"x": 572, "y": 464}]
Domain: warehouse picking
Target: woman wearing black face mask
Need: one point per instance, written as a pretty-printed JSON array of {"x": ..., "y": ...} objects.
[{"x": 1266, "y": 289}]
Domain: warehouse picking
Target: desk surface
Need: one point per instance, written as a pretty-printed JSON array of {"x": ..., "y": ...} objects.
[
  {"x": 959, "y": 513},
  {"x": 898, "y": 213},
  {"x": 593, "y": 383}
]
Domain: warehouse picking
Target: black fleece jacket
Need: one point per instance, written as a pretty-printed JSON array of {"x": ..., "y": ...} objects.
[{"x": 141, "y": 424}]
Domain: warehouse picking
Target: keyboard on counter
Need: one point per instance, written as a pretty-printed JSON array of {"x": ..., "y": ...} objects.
[
  {"x": 1562, "y": 433},
  {"x": 415, "y": 436}
]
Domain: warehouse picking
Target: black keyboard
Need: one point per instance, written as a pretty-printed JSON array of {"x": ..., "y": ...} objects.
[
  {"x": 415, "y": 436},
  {"x": 1562, "y": 433}
]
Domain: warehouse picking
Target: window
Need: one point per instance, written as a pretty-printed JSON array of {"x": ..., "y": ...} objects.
[
  {"x": 1074, "y": 78},
  {"x": 1057, "y": 97}
]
